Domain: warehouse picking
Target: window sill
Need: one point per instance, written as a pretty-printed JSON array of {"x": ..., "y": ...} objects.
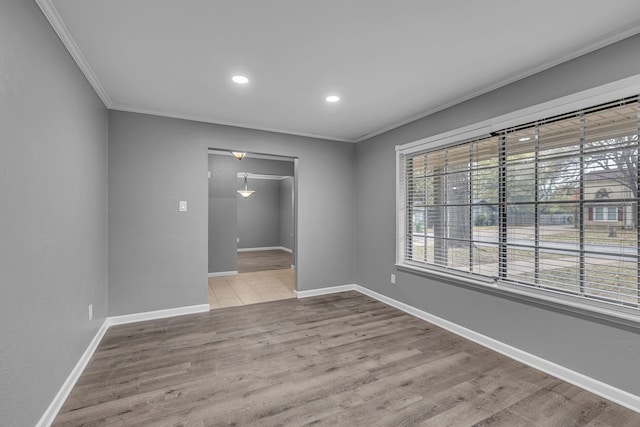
[{"x": 583, "y": 306}]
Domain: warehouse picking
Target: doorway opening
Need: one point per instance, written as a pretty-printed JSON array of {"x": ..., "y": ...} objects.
[{"x": 252, "y": 233}]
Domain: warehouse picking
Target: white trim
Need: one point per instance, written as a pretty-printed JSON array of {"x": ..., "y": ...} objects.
[
  {"x": 157, "y": 314},
  {"x": 265, "y": 248},
  {"x": 263, "y": 176},
  {"x": 60, "y": 28},
  {"x": 251, "y": 155},
  {"x": 459, "y": 135},
  {"x": 604, "y": 390},
  {"x": 400, "y": 206},
  {"x": 630, "y": 31},
  {"x": 609, "y": 92},
  {"x": 223, "y": 273},
  {"x": 325, "y": 291},
  {"x": 566, "y": 104},
  {"x": 609, "y": 392},
  {"x": 54, "y": 407},
  {"x": 51, "y": 13},
  {"x": 205, "y": 119}
]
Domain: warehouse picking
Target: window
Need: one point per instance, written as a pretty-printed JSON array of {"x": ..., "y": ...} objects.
[
  {"x": 605, "y": 213},
  {"x": 550, "y": 206}
]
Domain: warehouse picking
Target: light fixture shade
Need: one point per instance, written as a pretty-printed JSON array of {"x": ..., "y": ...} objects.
[
  {"x": 244, "y": 191},
  {"x": 238, "y": 154}
]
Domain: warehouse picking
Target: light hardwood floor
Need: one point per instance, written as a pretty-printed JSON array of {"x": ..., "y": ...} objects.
[
  {"x": 342, "y": 359},
  {"x": 251, "y": 288}
]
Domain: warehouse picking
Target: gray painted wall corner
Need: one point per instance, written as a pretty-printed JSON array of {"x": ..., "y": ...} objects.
[{"x": 53, "y": 233}]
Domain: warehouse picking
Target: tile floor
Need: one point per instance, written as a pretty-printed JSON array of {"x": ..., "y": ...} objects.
[{"x": 251, "y": 288}]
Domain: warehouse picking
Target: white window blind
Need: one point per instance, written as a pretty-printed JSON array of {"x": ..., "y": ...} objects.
[{"x": 551, "y": 205}]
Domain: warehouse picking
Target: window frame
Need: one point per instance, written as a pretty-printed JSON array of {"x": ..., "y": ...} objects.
[
  {"x": 575, "y": 303},
  {"x": 606, "y": 211}
]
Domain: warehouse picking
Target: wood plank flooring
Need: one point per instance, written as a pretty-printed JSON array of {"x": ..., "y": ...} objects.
[
  {"x": 251, "y": 288},
  {"x": 264, "y": 260},
  {"x": 342, "y": 359}
]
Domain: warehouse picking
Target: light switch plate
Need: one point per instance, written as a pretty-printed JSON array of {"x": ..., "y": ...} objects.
[{"x": 183, "y": 206}]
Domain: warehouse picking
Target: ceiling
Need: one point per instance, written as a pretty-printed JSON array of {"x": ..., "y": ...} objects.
[{"x": 390, "y": 61}]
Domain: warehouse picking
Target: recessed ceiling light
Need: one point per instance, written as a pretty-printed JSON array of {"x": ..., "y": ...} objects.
[
  {"x": 241, "y": 80},
  {"x": 332, "y": 98},
  {"x": 526, "y": 138}
]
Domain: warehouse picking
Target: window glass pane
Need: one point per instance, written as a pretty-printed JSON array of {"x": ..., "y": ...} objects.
[
  {"x": 612, "y": 277},
  {"x": 485, "y": 259},
  {"x": 418, "y": 220},
  {"x": 520, "y": 183},
  {"x": 559, "y": 270}
]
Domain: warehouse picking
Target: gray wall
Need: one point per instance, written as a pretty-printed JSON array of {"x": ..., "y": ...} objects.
[
  {"x": 286, "y": 214},
  {"x": 158, "y": 256},
  {"x": 223, "y": 214},
  {"x": 53, "y": 213},
  {"x": 595, "y": 348},
  {"x": 259, "y": 215}
]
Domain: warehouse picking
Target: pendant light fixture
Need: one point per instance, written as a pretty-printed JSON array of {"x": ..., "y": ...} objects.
[
  {"x": 244, "y": 191},
  {"x": 238, "y": 154}
]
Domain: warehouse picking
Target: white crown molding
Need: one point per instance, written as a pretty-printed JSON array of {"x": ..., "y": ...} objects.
[
  {"x": 50, "y": 12},
  {"x": 204, "y": 119},
  {"x": 613, "y": 38},
  {"x": 609, "y": 92},
  {"x": 60, "y": 28}
]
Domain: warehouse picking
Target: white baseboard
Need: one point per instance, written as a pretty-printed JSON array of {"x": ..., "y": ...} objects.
[
  {"x": 266, "y": 248},
  {"x": 223, "y": 273},
  {"x": 594, "y": 386},
  {"x": 157, "y": 314},
  {"x": 325, "y": 291},
  {"x": 52, "y": 411},
  {"x": 54, "y": 407}
]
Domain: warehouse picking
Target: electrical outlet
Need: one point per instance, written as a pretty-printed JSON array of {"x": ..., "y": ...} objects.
[
  {"x": 393, "y": 279},
  {"x": 182, "y": 207},
  {"x": 90, "y": 311}
]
